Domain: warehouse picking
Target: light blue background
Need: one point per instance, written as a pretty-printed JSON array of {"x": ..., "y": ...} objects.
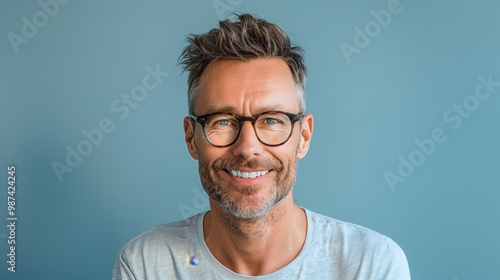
[{"x": 445, "y": 215}]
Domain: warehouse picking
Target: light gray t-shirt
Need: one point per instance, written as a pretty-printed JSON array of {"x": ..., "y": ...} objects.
[{"x": 333, "y": 250}]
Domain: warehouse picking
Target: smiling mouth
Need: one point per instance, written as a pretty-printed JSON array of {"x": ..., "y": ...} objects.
[{"x": 246, "y": 174}]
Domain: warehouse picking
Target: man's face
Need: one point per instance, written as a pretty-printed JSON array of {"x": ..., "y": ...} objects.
[{"x": 247, "y": 88}]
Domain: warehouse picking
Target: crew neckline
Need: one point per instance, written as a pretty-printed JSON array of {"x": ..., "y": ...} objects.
[{"x": 226, "y": 272}]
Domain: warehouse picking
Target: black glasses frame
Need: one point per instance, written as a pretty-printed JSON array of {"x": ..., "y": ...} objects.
[{"x": 241, "y": 119}]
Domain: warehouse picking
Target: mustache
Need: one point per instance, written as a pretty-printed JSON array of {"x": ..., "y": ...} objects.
[{"x": 240, "y": 162}]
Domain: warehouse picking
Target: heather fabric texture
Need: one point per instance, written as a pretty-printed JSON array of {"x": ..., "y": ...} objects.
[{"x": 333, "y": 250}]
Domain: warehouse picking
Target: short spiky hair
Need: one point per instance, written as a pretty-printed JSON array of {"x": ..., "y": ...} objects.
[{"x": 248, "y": 38}]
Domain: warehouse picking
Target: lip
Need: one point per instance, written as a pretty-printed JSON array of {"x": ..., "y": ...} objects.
[{"x": 249, "y": 169}]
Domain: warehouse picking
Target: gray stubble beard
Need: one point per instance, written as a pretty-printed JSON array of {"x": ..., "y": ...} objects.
[{"x": 229, "y": 212}]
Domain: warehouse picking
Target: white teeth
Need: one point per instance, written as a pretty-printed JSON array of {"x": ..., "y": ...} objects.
[{"x": 244, "y": 174}]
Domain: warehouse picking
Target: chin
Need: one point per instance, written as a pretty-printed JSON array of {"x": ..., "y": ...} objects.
[{"x": 247, "y": 213}]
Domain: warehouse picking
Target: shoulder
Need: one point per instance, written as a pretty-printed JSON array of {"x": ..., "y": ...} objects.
[
  {"x": 332, "y": 230},
  {"x": 154, "y": 253},
  {"x": 176, "y": 234},
  {"x": 360, "y": 247}
]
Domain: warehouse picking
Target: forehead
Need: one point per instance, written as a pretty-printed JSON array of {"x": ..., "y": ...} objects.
[{"x": 247, "y": 87}]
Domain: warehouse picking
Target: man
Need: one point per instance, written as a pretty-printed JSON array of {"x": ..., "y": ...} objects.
[{"x": 247, "y": 129}]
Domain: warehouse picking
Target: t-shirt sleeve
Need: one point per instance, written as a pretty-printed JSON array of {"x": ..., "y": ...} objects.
[
  {"x": 122, "y": 269},
  {"x": 393, "y": 264}
]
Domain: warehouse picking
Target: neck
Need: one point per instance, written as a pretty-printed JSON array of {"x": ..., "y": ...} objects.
[{"x": 259, "y": 246}]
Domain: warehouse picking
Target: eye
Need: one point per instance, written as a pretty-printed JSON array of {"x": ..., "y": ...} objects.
[
  {"x": 271, "y": 121},
  {"x": 223, "y": 122}
]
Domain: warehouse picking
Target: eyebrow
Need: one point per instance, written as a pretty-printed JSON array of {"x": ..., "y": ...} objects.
[{"x": 215, "y": 108}]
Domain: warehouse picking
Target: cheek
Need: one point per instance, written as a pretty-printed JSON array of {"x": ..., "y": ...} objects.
[
  {"x": 286, "y": 157},
  {"x": 289, "y": 150},
  {"x": 209, "y": 154}
]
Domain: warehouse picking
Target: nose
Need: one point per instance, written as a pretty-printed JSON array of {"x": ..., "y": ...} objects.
[{"x": 247, "y": 145}]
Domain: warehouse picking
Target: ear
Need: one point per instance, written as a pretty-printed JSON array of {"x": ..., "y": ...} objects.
[
  {"x": 189, "y": 137},
  {"x": 305, "y": 135}
]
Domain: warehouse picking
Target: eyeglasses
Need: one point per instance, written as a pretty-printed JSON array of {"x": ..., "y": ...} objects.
[{"x": 272, "y": 128}]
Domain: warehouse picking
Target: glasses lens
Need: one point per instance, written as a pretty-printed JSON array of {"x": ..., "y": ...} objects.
[
  {"x": 221, "y": 129},
  {"x": 273, "y": 128}
]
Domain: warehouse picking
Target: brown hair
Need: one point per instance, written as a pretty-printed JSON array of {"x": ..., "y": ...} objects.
[{"x": 248, "y": 38}]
